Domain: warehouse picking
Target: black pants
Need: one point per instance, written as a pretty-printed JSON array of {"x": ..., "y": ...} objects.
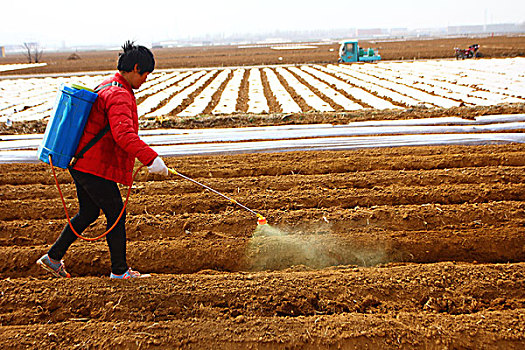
[{"x": 95, "y": 193}]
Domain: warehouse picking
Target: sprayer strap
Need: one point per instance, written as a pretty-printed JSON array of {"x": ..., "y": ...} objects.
[
  {"x": 98, "y": 136},
  {"x": 113, "y": 83},
  {"x": 89, "y": 145}
]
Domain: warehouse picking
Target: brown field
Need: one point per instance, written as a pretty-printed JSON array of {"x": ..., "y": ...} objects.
[
  {"x": 408, "y": 247},
  {"x": 220, "y": 56}
]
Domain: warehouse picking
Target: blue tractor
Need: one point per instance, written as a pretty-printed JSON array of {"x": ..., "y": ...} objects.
[{"x": 349, "y": 51}]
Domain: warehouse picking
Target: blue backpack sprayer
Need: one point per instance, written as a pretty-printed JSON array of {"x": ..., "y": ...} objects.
[
  {"x": 67, "y": 124},
  {"x": 63, "y": 133}
]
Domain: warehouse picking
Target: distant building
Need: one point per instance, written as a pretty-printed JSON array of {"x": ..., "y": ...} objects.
[
  {"x": 369, "y": 32},
  {"x": 500, "y": 28},
  {"x": 399, "y": 31},
  {"x": 472, "y": 29},
  {"x": 503, "y": 28}
]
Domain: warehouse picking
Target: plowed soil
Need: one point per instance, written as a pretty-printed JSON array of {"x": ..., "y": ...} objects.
[
  {"x": 418, "y": 247},
  {"x": 409, "y": 247}
]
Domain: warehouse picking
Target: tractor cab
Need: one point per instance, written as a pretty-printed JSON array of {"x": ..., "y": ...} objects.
[{"x": 349, "y": 51}]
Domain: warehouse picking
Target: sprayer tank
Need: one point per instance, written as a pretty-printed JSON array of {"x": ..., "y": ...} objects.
[{"x": 66, "y": 125}]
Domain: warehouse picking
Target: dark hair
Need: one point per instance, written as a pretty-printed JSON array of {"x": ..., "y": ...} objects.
[{"x": 135, "y": 54}]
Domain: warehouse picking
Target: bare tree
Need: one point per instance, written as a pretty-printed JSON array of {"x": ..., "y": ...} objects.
[{"x": 33, "y": 52}]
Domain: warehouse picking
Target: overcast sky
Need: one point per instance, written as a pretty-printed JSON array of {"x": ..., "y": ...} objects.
[{"x": 54, "y": 22}]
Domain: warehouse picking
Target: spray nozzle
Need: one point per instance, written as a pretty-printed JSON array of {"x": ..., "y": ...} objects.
[{"x": 261, "y": 220}]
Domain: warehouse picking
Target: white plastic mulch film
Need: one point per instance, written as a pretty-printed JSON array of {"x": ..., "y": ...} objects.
[
  {"x": 387, "y": 133},
  {"x": 343, "y": 87}
]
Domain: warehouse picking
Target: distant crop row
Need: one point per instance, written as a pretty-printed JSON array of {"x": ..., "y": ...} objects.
[{"x": 292, "y": 89}]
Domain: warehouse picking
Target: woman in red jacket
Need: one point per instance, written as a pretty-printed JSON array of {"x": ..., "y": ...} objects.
[{"x": 109, "y": 161}]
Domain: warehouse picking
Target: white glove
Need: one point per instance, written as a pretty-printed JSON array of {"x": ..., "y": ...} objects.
[{"x": 158, "y": 167}]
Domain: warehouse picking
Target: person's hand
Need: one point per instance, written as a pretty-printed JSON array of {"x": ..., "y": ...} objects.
[{"x": 158, "y": 167}]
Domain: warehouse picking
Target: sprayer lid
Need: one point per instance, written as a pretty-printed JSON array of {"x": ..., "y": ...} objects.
[
  {"x": 80, "y": 87},
  {"x": 82, "y": 94}
]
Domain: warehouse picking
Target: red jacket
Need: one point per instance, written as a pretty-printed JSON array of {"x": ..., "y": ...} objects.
[{"x": 113, "y": 156}]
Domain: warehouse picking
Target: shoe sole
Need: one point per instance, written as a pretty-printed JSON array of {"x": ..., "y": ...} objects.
[{"x": 48, "y": 269}]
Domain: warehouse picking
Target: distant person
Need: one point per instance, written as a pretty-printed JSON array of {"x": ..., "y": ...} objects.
[{"x": 109, "y": 161}]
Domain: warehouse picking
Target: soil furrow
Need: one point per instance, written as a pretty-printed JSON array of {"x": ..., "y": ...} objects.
[
  {"x": 242, "y": 98},
  {"x": 217, "y": 95},
  {"x": 273, "y": 104},
  {"x": 398, "y": 220},
  {"x": 332, "y": 103},
  {"x": 295, "y": 96},
  {"x": 414, "y": 330},
  {"x": 196, "y": 251},
  {"x": 434, "y": 289},
  {"x": 305, "y": 163},
  {"x": 342, "y": 181},
  {"x": 191, "y": 97},
  {"x": 291, "y": 199}
]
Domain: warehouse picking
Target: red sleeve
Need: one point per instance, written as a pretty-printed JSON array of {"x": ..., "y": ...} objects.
[{"x": 120, "y": 116}]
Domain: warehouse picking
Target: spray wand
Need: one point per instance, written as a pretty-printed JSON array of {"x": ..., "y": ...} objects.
[{"x": 261, "y": 220}]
